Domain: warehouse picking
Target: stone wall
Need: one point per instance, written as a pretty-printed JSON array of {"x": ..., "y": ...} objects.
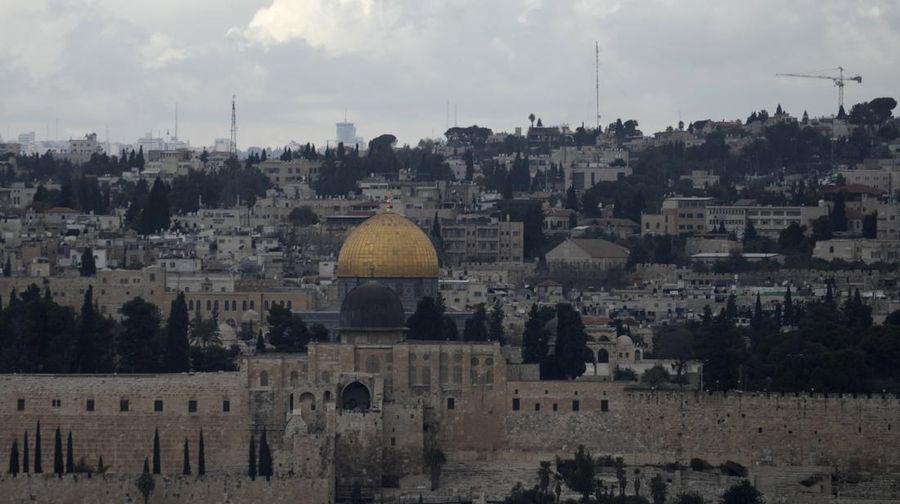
[
  {"x": 119, "y": 488},
  {"x": 661, "y": 427}
]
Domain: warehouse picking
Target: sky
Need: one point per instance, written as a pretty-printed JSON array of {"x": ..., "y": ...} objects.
[{"x": 297, "y": 66}]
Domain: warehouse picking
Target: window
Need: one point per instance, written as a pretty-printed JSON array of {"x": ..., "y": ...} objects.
[
  {"x": 226, "y": 405},
  {"x": 158, "y": 405},
  {"x": 89, "y": 405},
  {"x": 604, "y": 405},
  {"x": 56, "y": 403},
  {"x": 576, "y": 405},
  {"x": 20, "y": 404},
  {"x": 451, "y": 403},
  {"x": 263, "y": 379},
  {"x": 123, "y": 404},
  {"x": 393, "y": 441},
  {"x": 516, "y": 404},
  {"x": 537, "y": 406},
  {"x": 192, "y": 406}
]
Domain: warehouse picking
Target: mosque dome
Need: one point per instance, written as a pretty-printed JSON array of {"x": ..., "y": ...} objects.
[
  {"x": 372, "y": 305},
  {"x": 387, "y": 245}
]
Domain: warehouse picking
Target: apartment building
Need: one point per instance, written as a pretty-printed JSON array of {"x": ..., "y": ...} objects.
[
  {"x": 482, "y": 239},
  {"x": 678, "y": 215},
  {"x": 767, "y": 220}
]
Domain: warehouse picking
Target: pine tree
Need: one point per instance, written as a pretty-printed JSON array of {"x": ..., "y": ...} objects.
[
  {"x": 85, "y": 351},
  {"x": 535, "y": 342},
  {"x": 70, "y": 455},
  {"x": 731, "y": 311},
  {"x": 25, "y": 462},
  {"x": 186, "y": 464},
  {"x": 176, "y": 358},
  {"x": 757, "y": 310},
  {"x": 251, "y": 471},
  {"x": 156, "y": 462},
  {"x": 14, "y": 458},
  {"x": 58, "y": 454},
  {"x": 88, "y": 263},
  {"x": 201, "y": 456},
  {"x": 495, "y": 329},
  {"x": 265, "y": 457},
  {"x": 476, "y": 326}
]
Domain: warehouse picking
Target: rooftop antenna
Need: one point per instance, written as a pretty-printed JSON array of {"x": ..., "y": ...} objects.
[
  {"x": 232, "y": 148},
  {"x": 597, "y": 80}
]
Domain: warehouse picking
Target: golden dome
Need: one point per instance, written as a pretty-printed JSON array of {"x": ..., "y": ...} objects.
[{"x": 387, "y": 245}]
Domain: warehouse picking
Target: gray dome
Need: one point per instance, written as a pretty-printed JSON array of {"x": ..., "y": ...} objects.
[{"x": 372, "y": 306}]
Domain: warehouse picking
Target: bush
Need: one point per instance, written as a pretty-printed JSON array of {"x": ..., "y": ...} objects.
[
  {"x": 730, "y": 468},
  {"x": 625, "y": 375},
  {"x": 698, "y": 464},
  {"x": 655, "y": 376}
]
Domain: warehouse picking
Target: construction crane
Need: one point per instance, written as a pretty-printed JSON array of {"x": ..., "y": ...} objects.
[{"x": 838, "y": 81}]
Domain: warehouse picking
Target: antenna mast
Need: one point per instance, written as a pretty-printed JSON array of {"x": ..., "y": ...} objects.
[
  {"x": 597, "y": 80},
  {"x": 232, "y": 148}
]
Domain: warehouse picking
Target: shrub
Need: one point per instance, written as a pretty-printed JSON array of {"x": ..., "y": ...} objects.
[
  {"x": 730, "y": 468},
  {"x": 698, "y": 464}
]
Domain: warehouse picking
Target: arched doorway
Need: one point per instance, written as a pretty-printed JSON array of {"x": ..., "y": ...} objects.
[
  {"x": 356, "y": 397},
  {"x": 602, "y": 356}
]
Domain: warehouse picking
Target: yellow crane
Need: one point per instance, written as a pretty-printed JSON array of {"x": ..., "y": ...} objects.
[{"x": 838, "y": 80}]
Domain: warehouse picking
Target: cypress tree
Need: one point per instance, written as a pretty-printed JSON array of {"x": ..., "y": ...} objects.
[
  {"x": 251, "y": 471},
  {"x": 265, "y": 457},
  {"x": 14, "y": 458},
  {"x": 829, "y": 295},
  {"x": 176, "y": 359},
  {"x": 88, "y": 264},
  {"x": 156, "y": 462},
  {"x": 25, "y": 462},
  {"x": 146, "y": 466},
  {"x": 38, "y": 463},
  {"x": 201, "y": 457},
  {"x": 495, "y": 324},
  {"x": 58, "y": 454},
  {"x": 100, "y": 468},
  {"x": 788, "y": 307},
  {"x": 260, "y": 343},
  {"x": 186, "y": 466},
  {"x": 7, "y": 268},
  {"x": 70, "y": 455},
  {"x": 85, "y": 353}
]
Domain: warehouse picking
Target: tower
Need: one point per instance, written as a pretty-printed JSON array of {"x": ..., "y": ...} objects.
[
  {"x": 232, "y": 147},
  {"x": 597, "y": 81}
]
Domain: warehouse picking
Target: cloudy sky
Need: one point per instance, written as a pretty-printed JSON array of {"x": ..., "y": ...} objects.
[{"x": 296, "y": 65}]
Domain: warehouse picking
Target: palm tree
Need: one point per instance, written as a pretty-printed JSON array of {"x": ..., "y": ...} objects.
[
  {"x": 544, "y": 475},
  {"x": 531, "y": 118}
]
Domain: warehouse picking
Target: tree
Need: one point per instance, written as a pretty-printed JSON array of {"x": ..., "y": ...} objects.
[
  {"x": 788, "y": 312},
  {"x": 303, "y": 216},
  {"x": 85, "y": 350},
  {"x": 70, "y": 455},
  {"x": 571, "y": 342},
  {"x": 476, "y": 325},
  {"x": 265, "y": 457},
  {"x": 88, "y": 266},
  {"x": 434, "y": 460},
  {"x": 251, "y": 465},
  {"x": 14, "y": 458},
  {"x": 571, "y": 199},
  {"x": 145, "y": 483},
  {"x": 175, "y": 358},
  {"x": 621, "y": 476},
  {"x": 544, "y": 474},
  {"x": 731, "y": 311},
  {"x": 201, "y": 456},
  {"x": 870, "y": 225},
  {"x": 260, "y": 343},
  {"x": 7, "y": 268},
  {"x": 581, "y": 478},
  {"x": 675, "y": 343},
  {"x": 427, "y": 322},
  {"x": 689, "y": 498},
  {"x": 25, "y": 463},
  {"x": 155, "y": 216},
  {"x": 742, "y": 493},
  {"x": 655, "y": 376},
  {"x": 749, "y": 232},
  {"x": 495, "y": 324},
  {"x": 287, "y": 330},
  {"x": 186, "y": 463},
  {"x": 38, "y": 463},
  {"x": 658, "y": 489},
  {"x": 535, "y": 338},
  {"x": 156, "y": 456},
  {"x": 58, "y": 467},
  {"x": 839, "y": 213},
  {"x": 531, "y": 118},
  {"x": 138, "y": 344}
]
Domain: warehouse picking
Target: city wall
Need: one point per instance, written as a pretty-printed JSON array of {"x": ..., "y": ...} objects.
[
  {"x": 659, "y": 427},
  {"x": 214, "y": 489}
]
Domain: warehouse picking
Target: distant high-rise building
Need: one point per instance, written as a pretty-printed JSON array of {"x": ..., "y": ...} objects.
[
  {"x": 346, "y": 134},
  {"x": 26, "y": 138}
]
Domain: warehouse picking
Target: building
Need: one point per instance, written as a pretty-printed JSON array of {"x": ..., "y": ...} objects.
[
  {"x": 867, "y": 251},
  {"x": 678, "y": 215},
  {"x": 346, "y": 134},
  {"x": 587, "y": 254},
  {"x": 482, "y": 239},
  {"x": 80, "y": 151},
  {"x": 391, "y": 249},
  {"x": 768, "y": 221}
]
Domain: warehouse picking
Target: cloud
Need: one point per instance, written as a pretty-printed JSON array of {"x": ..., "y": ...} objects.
[
  {"x": 158, "y": 52},
  {"x": 339, "y": 27}
]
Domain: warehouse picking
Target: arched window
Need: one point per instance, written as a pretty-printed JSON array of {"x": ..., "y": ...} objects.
[
  {"x": 602, "y": 356},
  {"x": 294, "y": 378},
  {"x": 263, "y": 379},
  {"x": 307, "y": 401},
  {"x": 327, "y": 396}
]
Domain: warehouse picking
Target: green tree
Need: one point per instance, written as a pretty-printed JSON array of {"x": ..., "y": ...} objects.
[
  {"x": 251, "y": 465},
  {"x": 287, "y": 330},
  {"x": 88, "y": 266},
  {"x": 476, "y": 325},
  {"x": 38, "y": 463},
  {"x": 427, "y": 322},
  {"x": 535, "y": 338},
  {"x": 138, "y": 344},
  {"x": 85, "y": 350},
  {"x": 571, "y": 199},
  {"x": 201, "y": 456},
  {"x": 788, "y": 312},
  {"x": 839, "y": 213},
  {"x": 870, "y": 226},
  {"x": 571, "y": 342},
  {"x": 544, "y": 474},
  {"x": 658, "y": 489},
  {"x": 138, "y": 201},
  {"x": 742, "y": 493},
  {"x": 155, "y": 216},
  {"x": 176, "y": 358},
  {"x": 303, "y": 216},
  {"x": 25, "y": 462},
  {"x": 655, "y": 376},
  {"x": 157, "y": 469},
  {"x": 435, "y": 460},
  {"x": 7, "y": 268},
  {"x": 265, "y": 457},
  {"x": 186, "y": 463},
  {"x": 58, "y": 466},
  {"x": 70, "y": 455},
  {"x": 14, "y": 458},
  {"x": 145, "y": 483},
  {"x": 495, "y": 323},
  {"x": 689, "y": 498},
  {"x": 581, "y": 478},
  {"x": 621, "y": 475}
]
